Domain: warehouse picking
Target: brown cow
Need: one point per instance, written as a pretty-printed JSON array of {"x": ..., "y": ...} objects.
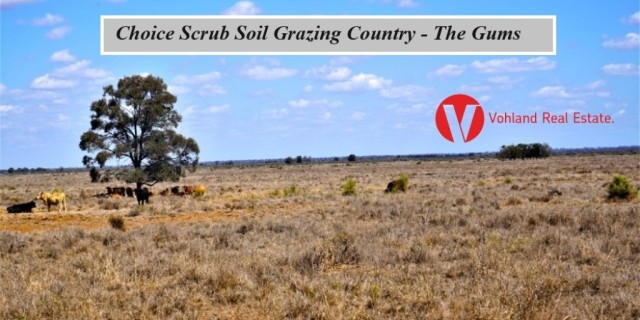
[
  {"x": 116, "y": 191},
  {"x": 188, "y": 190}
]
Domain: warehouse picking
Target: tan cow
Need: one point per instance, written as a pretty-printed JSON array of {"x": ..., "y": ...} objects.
[
  {"x": 199, "y": 191},
  {"x": 55, "y": 198}
]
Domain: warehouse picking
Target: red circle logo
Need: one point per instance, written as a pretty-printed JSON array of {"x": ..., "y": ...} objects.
[{"x": 459, "y": 113}]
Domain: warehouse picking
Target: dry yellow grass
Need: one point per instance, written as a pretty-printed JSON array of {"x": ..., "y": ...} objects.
[{"x": 470, "y": 239}]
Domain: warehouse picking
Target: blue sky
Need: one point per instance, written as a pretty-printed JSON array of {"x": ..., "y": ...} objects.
[{"x": 255, "y": 107}]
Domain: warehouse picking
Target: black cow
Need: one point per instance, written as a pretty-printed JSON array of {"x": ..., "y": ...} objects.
[
  {"x": 21, "y": 207},
  {"x": 394, "y": 186},
  {"x": 129, "y": 192},
  {"x": 142, "y": 195}
]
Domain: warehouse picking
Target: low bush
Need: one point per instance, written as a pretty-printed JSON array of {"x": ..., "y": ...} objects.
[
  {"x": 349, "y": 187},
  {"x": 117, "y": 222},
  {"x": 621, "y": 188}
]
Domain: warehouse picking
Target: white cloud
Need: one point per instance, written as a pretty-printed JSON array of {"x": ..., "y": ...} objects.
[
  {"x": 5, "y": 4},
  {"x": 80, "y": 69},
  {"x": 358, "y": 115},
  {"x": 484, "y": 98},
  {"x": 198, "y": 78},
  {"x": 358, "y": 82},
  {"x": 406, "y": 92},
  {"x": 264, "y": 73},
  {"x": 48, "y": 82},
  {"x": 197, "y": 111},
  {"x": 3, "y": 88},
  {"x": 58, "y": 33},
  {"x": 407, "y": 4},
  {"x": 302, "y": 103},
  {"x": 626, "y": 69},
  {"x": 48, "y": 20},
  {"x": 177, "y": 89},
  {"x": 595, "y": 85},
  {"x": 62, "y": 56},
  {"x": 243, "y": 8},
  {"x": 308, "y": 88},
  {"x": 70, "y": 75},
  {"x": 635, "y": 18},
  {"x": 551, "y": 92},
  {"x": 217, "y": 109},
  {"x": 329, "y": 73},
  {"x": 211, "y": 90},
  {"x": 4, "y": 108},
  {"x": 513, "y": 65},
  {"x": 629, "y": 42},
  {"x": 450, "y": 70}
]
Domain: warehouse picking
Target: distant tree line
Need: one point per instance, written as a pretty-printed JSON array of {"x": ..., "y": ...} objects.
[
  {"x": 27, "y": 170},
  {"x": 524, "y": 151},
  {"x": 298, "y": 160}
]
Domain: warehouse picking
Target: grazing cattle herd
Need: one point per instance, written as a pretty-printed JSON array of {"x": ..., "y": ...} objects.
[{"x": 142, "y": 195}]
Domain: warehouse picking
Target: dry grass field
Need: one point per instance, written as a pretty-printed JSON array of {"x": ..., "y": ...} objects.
[{"x": 470, "y": 239}]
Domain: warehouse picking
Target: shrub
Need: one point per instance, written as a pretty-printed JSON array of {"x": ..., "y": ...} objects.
[
  {"x": 621, "y": 188},
  {"x": 417, "y": 253},
  {"x": 136, "y": 211},
  {"x": 274, "y": 193},
  {"x": 109, "y": 204},
  {"x": 508, "y": 180},
  {"x": 116, "y": 222},
  {"x": 404, "y": 182},
  {"x": 400, "y": 184},
  {"x": 292, "y": 190},
  {"x": 349, "y": 187}
]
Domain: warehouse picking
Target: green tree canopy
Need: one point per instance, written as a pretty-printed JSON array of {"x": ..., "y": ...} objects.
[
  {"x": 522, "y": 151},
  {"x": 136, "y": 121}
]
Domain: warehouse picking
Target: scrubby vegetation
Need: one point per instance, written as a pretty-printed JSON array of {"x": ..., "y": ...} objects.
[
  {"x": 449, "y": 247},
  {"x": 349, "y": 187},
  {"x": 621, "y": 188},
  {"x": 116, "y": 222}
]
